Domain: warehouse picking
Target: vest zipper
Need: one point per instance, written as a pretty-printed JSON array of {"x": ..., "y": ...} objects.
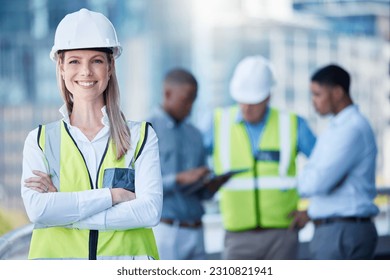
[
  {"x": 93, "y": 242},
  {"x": 255, "y": 182},
  {"x": 101, "y": 162},
  {"x": 93, "y": 234},
  {"x": 257, "y": 193}
]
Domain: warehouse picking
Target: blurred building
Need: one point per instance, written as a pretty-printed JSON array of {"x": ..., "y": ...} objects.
[
  {"x": 369, "y": 20},
  {"x": 359, "y": 17}
]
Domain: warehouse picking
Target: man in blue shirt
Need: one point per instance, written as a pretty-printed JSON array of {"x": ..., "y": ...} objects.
[
  {"x": 258, "y": 207},
  {"x": 184, "y": 171},
  {"x": 339, "y": 177}
]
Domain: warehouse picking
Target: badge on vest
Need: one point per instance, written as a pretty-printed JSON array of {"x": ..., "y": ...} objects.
[
  {"x": 262, "y": 155},
  {"x": 119, "y": 178}
]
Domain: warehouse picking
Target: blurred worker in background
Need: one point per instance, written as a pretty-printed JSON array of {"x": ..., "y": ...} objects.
[
  {"x": 339, "y": 177},
  {"x": 183, "y": 164},
  {"x": 258, "y": 207},
  {"x": 66, "y": 162}
]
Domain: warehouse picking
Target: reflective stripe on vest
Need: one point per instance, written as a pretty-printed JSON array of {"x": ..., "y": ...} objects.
[
  {"x": 69, "y": 173},
  {"x": 246, "y": 199},
  {"x": 262, "y": 183}
]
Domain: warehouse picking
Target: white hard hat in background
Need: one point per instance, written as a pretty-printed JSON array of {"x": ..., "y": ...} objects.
[
  {"x": 252, "y": 80},
  {"x": 83, "y": 30}
]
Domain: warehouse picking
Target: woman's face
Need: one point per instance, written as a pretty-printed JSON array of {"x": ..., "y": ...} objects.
[{"x": 86, "y": 73}]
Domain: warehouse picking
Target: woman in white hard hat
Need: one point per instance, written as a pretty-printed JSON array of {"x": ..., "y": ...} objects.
[{"x": 78, "y": 172}]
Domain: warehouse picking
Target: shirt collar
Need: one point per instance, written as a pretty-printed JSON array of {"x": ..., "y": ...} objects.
[
  {"x": 64, "y": 112},
  {"x": 171, "y": 122},
  {"x": 344, "y": 114}
]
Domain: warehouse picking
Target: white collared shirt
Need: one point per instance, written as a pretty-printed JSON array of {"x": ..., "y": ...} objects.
[
  {"x": 92, "y": 209},
  {"x": 339, "y": 177}
]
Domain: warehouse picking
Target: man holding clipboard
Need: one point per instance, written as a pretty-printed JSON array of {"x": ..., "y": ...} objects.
[{"x": 186, "y": 177}]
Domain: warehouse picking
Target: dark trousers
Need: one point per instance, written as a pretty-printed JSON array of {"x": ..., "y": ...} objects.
[{"x": 344, "y": 241}]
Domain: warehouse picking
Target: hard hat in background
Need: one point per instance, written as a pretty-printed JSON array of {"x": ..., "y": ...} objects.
[
  {"x": 83, "y": 30},
  {"x": 252, "y": 80}
]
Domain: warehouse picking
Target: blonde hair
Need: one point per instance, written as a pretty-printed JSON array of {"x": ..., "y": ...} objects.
[{"x": 119, "y": 131}]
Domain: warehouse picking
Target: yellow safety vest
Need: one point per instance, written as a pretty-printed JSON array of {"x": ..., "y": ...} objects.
[
  {"x": 265, "y": 195},
  {"x": 70, "y": 174}
]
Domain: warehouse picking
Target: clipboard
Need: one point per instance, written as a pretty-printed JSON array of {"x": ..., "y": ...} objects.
[
  {"x": 119, "y": 178},
  {"x": 231, "y": 173},
  {"x": 201, "y": 184}
]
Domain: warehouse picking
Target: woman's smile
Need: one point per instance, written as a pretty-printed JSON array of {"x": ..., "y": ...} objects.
[{"x": 86, "y": 84}]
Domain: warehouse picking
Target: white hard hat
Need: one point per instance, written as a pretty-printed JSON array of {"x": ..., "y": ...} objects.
[
  {"x": 84, "y": 30},
  {"x": 252, "y": 80}
]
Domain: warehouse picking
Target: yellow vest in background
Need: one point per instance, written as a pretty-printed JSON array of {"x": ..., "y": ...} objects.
[{"x": 265, "y": 195}]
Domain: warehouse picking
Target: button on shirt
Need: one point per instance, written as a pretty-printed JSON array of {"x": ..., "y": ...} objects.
[
  {"x": 93, "y": 209},
  {"x": 181, "y": 148},
  {"x": 339, "y": 177}
]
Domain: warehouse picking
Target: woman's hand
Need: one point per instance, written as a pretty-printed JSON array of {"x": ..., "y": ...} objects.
[
  {"x": 121, "y": 195},
  {"x": 42, "y": 183}
]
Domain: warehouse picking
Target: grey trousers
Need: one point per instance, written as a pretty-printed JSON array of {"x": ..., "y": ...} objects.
[
  {"x": 344, "y": 241},
  {"x": 177, "y": 243},
  {"x": 266, "y": 244}
]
